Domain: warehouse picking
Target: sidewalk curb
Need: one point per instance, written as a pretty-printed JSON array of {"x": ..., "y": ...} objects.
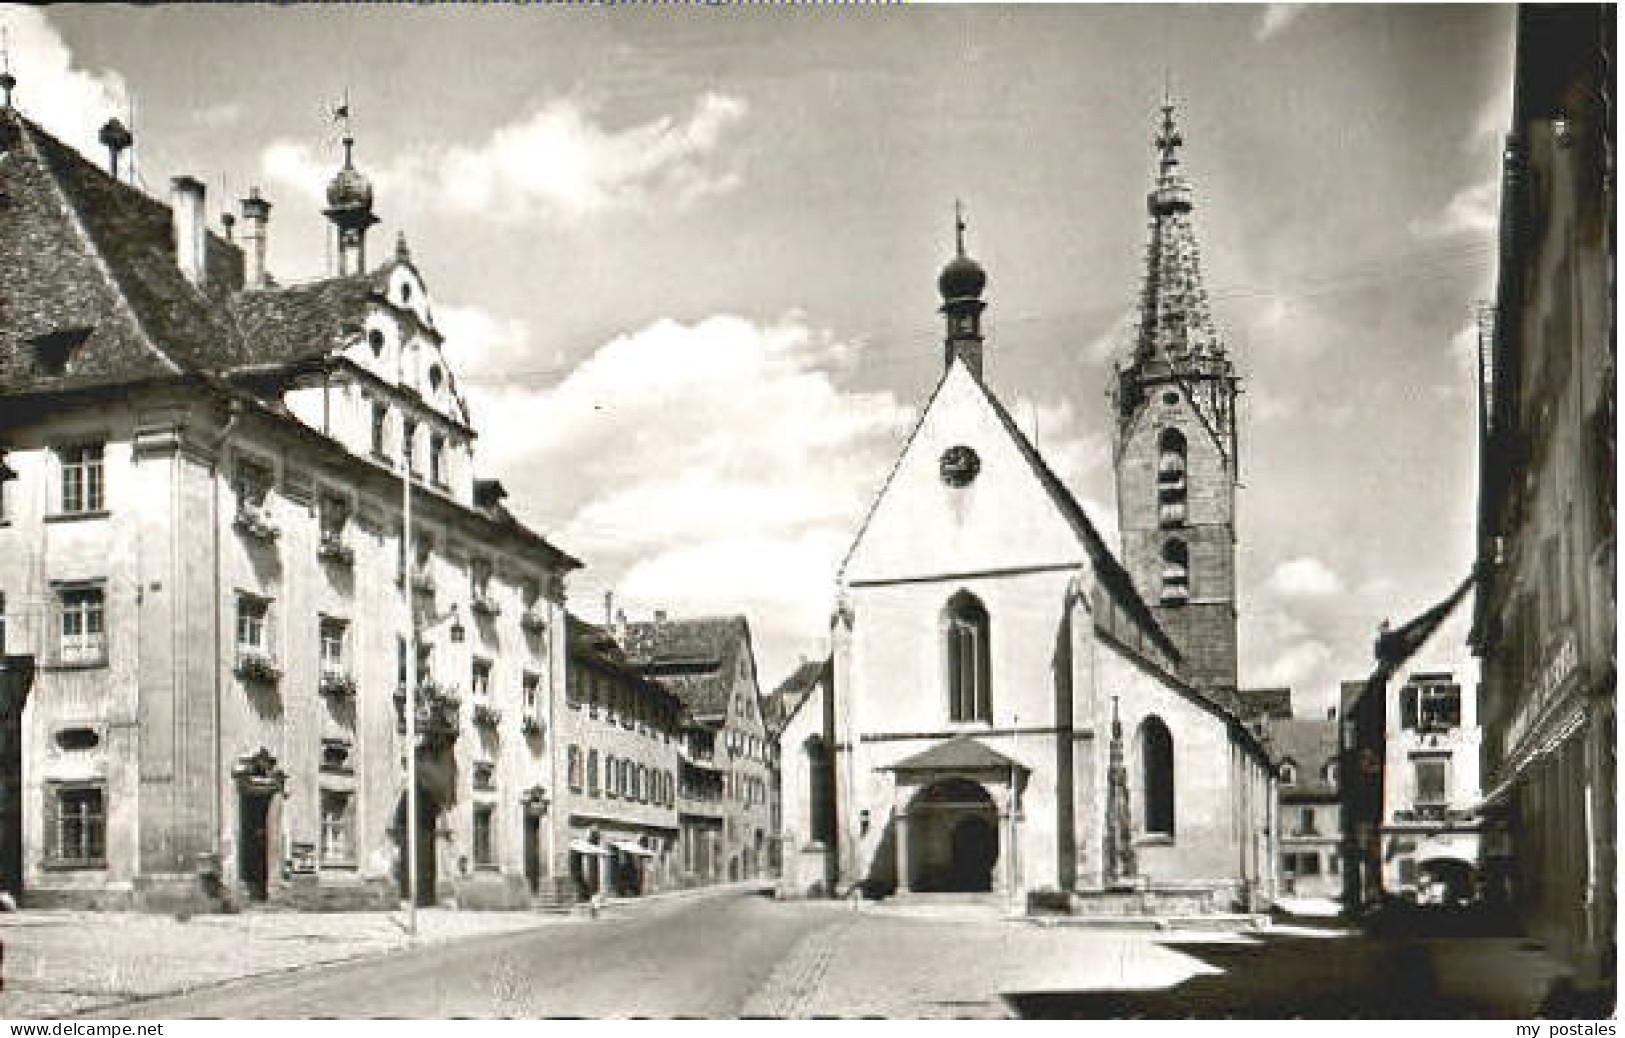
[
  {"x": 542, "y": 921},
  {"x": 109, "y": 1008}
]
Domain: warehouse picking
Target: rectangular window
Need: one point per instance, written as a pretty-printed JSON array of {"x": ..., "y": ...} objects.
[
  {"x": 400, "y": 662},
  {"x": 252, "y": 612},
  {"x": 437, "y": 460},
  {"x": 573, "y": 768},
  {"x": 335, "y": 513},
  {"x": 332, "y": 638},
  {"x": 1431, "y": 776},
  {"x": 1306, "y": 822},
  {"x": 337, "y": 845},
  {"x": 530, "y": 687},
  {"x": 409, "y": 435},
  {"x": 592, "y": 773},
  {"x": 82, "y": 479},
  {"x": 252, "y": 482},
  {"x": 479, "y": 577},
  {"x": 80, "y": 829},
  {"x": 1439, "y": 708},
  {"x": 485, "y": 853},
  {"x": 380, "y": 430},
  {"x": 480, "y": 679},
  {"x": 1309, "y": 864},
  {"x": 84, "y": 633}
]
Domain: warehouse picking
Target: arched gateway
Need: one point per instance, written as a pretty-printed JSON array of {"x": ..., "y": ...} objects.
[
  {"x": 955, "y": 830},
  {"x": 952, "y": 818}
]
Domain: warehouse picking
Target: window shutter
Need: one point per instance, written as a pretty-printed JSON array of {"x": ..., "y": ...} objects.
[{"x": 53, "y": 821}]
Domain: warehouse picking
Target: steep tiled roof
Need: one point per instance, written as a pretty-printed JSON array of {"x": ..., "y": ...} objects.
[
  {"x": 287, "y": 325},
  {"x": 780, "y": 705},
  {"x": 696, "y": 658},
  {"x": 1310, "y": 746},
  {"x": 87, "y": 256},
  {"x": 1264, "y": 703}
]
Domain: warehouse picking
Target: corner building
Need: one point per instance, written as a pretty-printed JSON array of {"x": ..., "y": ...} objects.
[
  {"x": 203, "y": 551},
  {"x": 1010, "y": 714}
]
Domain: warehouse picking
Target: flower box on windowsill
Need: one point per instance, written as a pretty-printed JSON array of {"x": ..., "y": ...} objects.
[
  {"x": 258, "y": 668},
  {"x": 338, "y": 684},
  {"x": 533, "y": 622},
  {"x": 334, "y": 550},
  {"x": 251, "y": 522},
  {"x": 532, "y": 726},
  {"x": 437, "y": 709},
  {"x": 486, "y": 715},
  {"x": 485, "y": 605}
]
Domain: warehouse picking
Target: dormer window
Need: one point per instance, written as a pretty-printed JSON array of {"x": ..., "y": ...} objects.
[
  {"x": 436, "y": 377},
  {"x": 406, "y": 291},
  {"x": 1289, "y": 774},
  {"x": 375, "y": 339}
]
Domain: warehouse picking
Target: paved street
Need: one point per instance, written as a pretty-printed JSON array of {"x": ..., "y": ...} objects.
[
  {"x": 742, "y": 954},
  {"x": 700, "y": 956}
]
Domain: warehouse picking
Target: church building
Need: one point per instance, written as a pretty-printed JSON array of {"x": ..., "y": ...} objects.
[{"x": 1016, "y": 708}]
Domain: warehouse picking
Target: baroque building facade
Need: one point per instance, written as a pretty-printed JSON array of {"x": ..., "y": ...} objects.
[
  {"x": 1015, "y": 710},
  {"x": 204, "y": 551}
]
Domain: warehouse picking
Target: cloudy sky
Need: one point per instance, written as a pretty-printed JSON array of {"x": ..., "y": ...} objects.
[{"x": 686, "y": 257}]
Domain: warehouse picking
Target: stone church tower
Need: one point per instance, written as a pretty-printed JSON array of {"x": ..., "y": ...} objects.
[{"x": 1176, "y": 457}]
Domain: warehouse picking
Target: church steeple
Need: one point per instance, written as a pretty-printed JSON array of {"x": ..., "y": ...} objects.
[
  {"x": 1174, "y": 396},
  {"x": 961, "y": 284}
]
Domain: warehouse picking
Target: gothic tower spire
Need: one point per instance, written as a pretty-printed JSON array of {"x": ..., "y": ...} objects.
[{"x": 1174, "y": 396}]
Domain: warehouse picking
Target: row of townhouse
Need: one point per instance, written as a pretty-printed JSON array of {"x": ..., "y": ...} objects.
[{"x": 243, "y": 533}]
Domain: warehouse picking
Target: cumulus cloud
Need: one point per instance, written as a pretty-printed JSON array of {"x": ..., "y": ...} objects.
[
  {"x": 1301, "y": 666},
  {"x": 1275, "y": 19},
  {"x": 716, "y": 466},
  {"x": 1304, "y": 578},
  {"x": 71, "y": 102},
  {"x": 559, "y": 160},
  {"x": 1115, "y": 339},
  {"x": 1474, "y": 209}
]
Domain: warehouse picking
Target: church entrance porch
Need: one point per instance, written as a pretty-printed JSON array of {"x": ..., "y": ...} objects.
[
  {"x": 953, "y": 838},
  {"x": 955, "y": 820}
]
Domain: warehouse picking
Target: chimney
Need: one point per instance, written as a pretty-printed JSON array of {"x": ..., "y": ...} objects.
[
  {"x": 186, "y": 212},
  {"x": 256, "y": 214},
  {"x": 609, "y": 609},
  {"x": 660, "y": 616},
  {"x": 115, "y": 138}
]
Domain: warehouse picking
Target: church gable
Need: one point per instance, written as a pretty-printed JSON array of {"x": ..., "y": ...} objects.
[{"x": 962, "y": 498}]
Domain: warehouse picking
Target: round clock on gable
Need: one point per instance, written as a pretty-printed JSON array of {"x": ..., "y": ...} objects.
[{"x": 959, "y": 466}]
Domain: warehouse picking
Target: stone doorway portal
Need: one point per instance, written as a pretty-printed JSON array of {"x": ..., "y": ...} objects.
[{"x": 953, "y": 839}]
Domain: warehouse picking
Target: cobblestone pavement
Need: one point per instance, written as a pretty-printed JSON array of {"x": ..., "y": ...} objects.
[
  {"x": 894, "y": 965},
  {"x": 63, "y": 963}
]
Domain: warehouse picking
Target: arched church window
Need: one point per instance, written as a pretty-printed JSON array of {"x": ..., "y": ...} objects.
[
  {"x": 1176, "y": 572},
  {"x": 1157, "y": 777},
  {"x": 965, "y": 637},
  {"x": 1171, "y": 478}
]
